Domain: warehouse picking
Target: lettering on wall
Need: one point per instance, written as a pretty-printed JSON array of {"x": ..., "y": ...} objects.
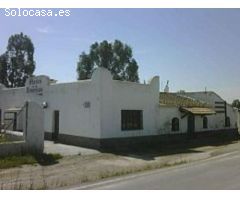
[{"x": 35, "y": 85}]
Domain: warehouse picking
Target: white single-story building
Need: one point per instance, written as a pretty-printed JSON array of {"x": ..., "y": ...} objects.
[{"x": 102, "y": 111}]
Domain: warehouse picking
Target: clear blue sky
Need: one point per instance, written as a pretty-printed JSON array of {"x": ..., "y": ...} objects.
[{"x": 193, "y": 48}]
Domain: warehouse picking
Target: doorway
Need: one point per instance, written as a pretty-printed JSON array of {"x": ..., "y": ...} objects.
[
  {"x": 191, "y": 124},
  {"x": 10, "y": 120},
  {"x": 14, "y": 121},
  {"x": 55, "y": 125}
]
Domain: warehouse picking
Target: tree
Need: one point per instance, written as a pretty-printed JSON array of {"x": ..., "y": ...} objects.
[
  {"x": 3, "y": 70},
  {"x": 236, "y": 103},
  {"x": 18, "y": 62},
  {"x": 116, "y": 57}
]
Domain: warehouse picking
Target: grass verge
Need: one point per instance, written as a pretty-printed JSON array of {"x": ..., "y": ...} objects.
[
  {"x": 130, "y": 170},
  {"x": 3, "y": 139},
  {"x": 18, "y": 161}
]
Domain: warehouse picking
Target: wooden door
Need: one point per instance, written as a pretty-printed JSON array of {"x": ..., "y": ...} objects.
[
  {"x": 191, "y": 124},
  {"x": 55, "y": 125}
]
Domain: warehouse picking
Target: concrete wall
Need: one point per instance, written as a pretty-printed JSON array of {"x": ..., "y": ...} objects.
[
  {"x": 238, "y": 119},
  {"x": 92, "y": 108},
  {"x": 75, "y": 117},
  {"x": 233, "y": 113},
  {"x": 32, "y": 140},
  {"x": 33, "y": 127},
  {"x": 10, "y": 98},
  {"x": 121, "y": 95},
  {"x": 166, "y": 114},
  {"x": 69, "y": 98},
  {"x": 13, "y": 148},
  {"x": 215, "y": 122}
]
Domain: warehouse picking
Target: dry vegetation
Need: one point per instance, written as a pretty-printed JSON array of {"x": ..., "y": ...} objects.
[
  {"x": 3, "y": 138},
  {"x": 18, "y": 161},
  {"x": 80, "y": 169}
]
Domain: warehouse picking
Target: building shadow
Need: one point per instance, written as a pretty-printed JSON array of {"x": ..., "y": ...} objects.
[
  {"x": 47, "y": 159},
  {"x": 148, "y": 151}
]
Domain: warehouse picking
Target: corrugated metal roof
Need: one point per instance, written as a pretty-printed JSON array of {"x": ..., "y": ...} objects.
[{"x": 198, "y": 111}]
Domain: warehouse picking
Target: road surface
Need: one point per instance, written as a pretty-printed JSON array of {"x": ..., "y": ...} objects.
[{"x": 221, "y": 172}]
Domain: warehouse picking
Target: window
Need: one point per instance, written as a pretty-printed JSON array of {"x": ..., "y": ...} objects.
[
  {"x": 205, "y": 122},
  {"x": 175, "y": 124},
  {"x": 227, "y": 122},
  {"x": 132, "y": 119}
]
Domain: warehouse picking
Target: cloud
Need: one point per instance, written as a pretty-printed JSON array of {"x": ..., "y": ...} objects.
[{"x": 44, "y": 30}]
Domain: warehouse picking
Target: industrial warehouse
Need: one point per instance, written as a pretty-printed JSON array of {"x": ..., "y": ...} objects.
[{"x": 102, "y": 112}]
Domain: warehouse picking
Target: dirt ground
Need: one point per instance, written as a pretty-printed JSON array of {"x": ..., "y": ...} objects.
[
  {"x": 79, "y": 169},
  {"x": 66, "y": 150}
]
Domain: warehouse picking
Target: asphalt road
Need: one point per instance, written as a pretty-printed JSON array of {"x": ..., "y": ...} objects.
[{"x": 222, "y": 172}]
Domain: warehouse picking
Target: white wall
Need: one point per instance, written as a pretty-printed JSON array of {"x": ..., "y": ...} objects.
[
  {"x": 69, "y": 99},
  {"x": 215, "y": 122},
  {"x": 10, "y": 98},
  {"x": 74, "y": 117},
  {"x": 166, "y": 114},
  {"x": 107, "y": 97},
  {"x": 34, "y": 128},
  {"x": 233, "y": 114},
  {"x": 121, "y": 95}
]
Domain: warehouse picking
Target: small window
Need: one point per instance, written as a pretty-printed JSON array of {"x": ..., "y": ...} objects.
[
  {"x": 132, "y": 119},
  {"x": 227, "y": 122},
  {"x": 205, "y": 122},
  {"x": 175, "y": 124}
]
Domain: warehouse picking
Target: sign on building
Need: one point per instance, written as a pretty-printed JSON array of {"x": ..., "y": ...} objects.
[{"x": 35, "y": 85}]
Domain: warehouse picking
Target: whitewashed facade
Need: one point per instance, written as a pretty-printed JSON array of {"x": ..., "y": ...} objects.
[{"x": 86, "y": 112}]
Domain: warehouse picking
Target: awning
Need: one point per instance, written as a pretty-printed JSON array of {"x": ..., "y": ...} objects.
[{"x": 198, "y": 110}]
